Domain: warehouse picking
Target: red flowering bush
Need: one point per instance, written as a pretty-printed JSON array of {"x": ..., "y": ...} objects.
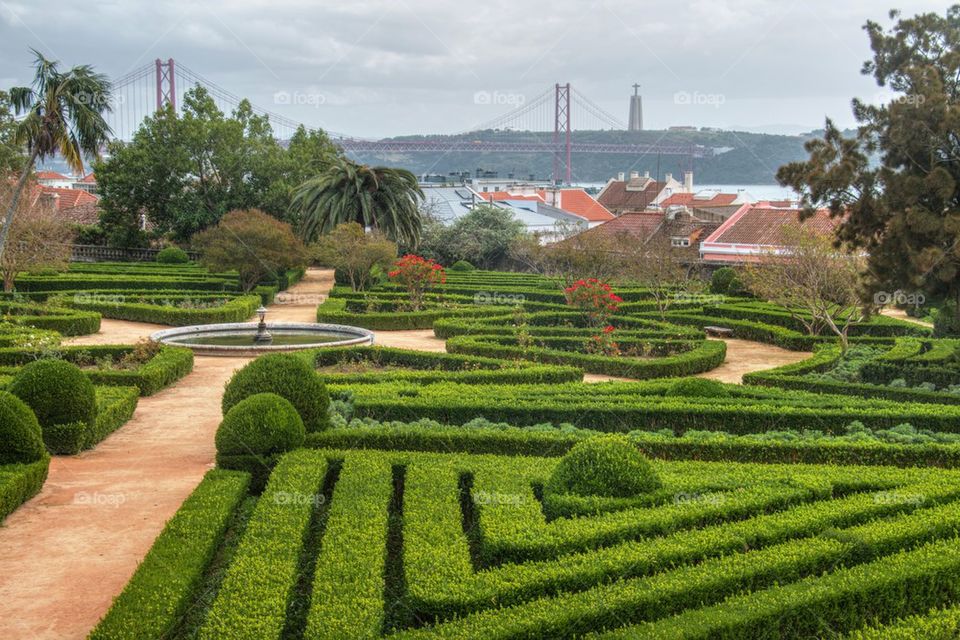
[
  {"x": 418, "y": 275},
  {"x": 603, "y": 343},
  {"x": 595, "y": 299}
]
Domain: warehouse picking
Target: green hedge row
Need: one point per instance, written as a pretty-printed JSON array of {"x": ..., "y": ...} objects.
[
  {"x": 253, "y": 598},
  {"x": 68, "y": 322},
  {"x": 876, "y": 326},
  {"x": 622, "y": 407},
  {"x": 163, "y": 369},
  {"x": 73, "y": 282},
  {"x": 239, "y": 309},
  {"x": 433, "y": 367},
  {"x": 166, "y": 582},
  {"x": 699, "y": 357},
  {"x": 937, "y": 624},
  {"x": 333, "y": 311},
  {"x": 20, "y": 482},
  {"x": 115, "y": 406},
  {"x": 879, "y": 372},
  {"x": 561, "y": 323}
]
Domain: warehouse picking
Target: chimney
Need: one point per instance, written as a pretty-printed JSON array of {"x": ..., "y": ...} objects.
[
  {"x": 620, "y": 176},
  {"x": 634, "y": 175},
  {"x": 688, "y": 181},
  {"x": 667, "y": 177},
  {"x": 646, "y": 174}
]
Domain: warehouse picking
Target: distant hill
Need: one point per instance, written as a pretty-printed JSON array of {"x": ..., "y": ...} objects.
[{"x": 741, "y": 157}]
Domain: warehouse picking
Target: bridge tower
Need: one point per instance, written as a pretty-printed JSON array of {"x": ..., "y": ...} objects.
[
  {"x": 561, "y": 125},
  {"x": 166, "y": 84}
]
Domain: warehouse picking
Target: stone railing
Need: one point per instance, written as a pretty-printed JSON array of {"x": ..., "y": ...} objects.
[{"x": 95, "y": 253}]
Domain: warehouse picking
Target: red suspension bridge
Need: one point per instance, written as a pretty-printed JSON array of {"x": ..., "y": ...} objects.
[{"x": 547, "y": 121}]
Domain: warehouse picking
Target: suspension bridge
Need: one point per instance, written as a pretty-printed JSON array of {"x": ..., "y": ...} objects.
[{"x": 548, "y": 119}]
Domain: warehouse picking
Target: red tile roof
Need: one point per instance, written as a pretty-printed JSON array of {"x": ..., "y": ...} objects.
[
  {"x": 51, "y": 175},
  {"x": 67, "y": 198},
  {"x": 581, "y": 203},
  {"x": 691, "y": 200},
  {"x": 89, "y": 178},
  {"x": 617, "y": 198},
  {"x": 497, "y": 196},
  {"x": 755, "y": 227},
  {"x": 640, "y": 224}
]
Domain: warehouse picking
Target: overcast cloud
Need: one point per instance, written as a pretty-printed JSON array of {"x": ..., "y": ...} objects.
[{"x": 377, "y": 68}]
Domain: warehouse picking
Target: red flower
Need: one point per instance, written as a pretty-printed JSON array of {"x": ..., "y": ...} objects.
[{"x": 609, "y": 329}]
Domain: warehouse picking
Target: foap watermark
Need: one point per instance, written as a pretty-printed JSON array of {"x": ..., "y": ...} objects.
[
  {"x": 99, "y": 99},
  {"x": 497, "y": 498},
  {"x": 97, "y": 499},
  {"x": 90, "y": 297},
  {"x": 890, "y": 98},
  {"x": 700, "y": 298},
  {"x": 499, "y": 98},
  {"x": 295, "y": 498},
  {"x": 302, "y": 299},
  {"x": 299, "y": 98},
  {"x": 496, "y": 297},
  {"x": 898, "y": 497},
  {"x": 898, "y": 297},
  {"x": 696, "y": 98},
  {"x": 698, "y": 498}
]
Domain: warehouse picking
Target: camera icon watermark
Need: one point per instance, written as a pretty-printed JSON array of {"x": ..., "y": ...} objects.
[
  {"x": 898, "y": 297},
  {"x": 97, "y": 499},
  {"x": 299, "y": 99},
  {"x": 696, "y": 98},
  {"x": 499, "y": 98},
  {"x": 495, "y": 297}
]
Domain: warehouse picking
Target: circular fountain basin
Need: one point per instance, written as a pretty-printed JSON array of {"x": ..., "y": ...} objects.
[{"x": 238, "y": 338}]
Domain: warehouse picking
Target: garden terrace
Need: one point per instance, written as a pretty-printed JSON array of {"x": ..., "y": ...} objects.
[{"x": 362, "y": 544}]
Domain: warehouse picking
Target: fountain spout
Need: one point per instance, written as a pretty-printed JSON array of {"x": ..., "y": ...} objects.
[{"x": 263, "y": 336}]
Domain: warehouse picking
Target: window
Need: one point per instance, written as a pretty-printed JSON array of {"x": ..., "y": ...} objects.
[{"x": 680, "y": 242}]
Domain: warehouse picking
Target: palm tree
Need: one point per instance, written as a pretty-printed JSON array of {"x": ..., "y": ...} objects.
[
  {"x": 379, "y": 197},
  {"x": 64, "y": 113}
]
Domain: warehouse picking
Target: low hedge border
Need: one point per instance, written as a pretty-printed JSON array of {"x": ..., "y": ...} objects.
[
  {"x": 519, "y": 441},
  {"x": 115, "y": 406},
  {"x": 165, "y": 368},
  {"x": 68, "y": 322},
  {"x": 435, "y": 367},
  {"x": 73, "y": 282},
  {"x": 561, "y": 323},
  {"x": 333, "y": 311},
  {"x": 878, "y": 326},
  {"x": 20, "y": 482},
  {"x": 705, "y": 356},
  {"x": 165, "y": 584},
  {"x": 239, "y": 309}
]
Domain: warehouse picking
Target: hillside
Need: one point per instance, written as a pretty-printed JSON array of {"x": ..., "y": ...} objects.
[{"x": 740, "y": 157}]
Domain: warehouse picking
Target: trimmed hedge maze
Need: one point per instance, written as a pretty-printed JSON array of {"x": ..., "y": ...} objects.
[{"x": 368, "y": 544}]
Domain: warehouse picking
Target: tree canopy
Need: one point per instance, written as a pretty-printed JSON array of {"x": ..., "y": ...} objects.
[
  {"x": 896, "y": 183},
  {"x": 184, "y": 172}
]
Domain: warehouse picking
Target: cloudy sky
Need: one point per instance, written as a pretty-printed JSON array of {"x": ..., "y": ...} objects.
[{"x": 391, "y": 67}]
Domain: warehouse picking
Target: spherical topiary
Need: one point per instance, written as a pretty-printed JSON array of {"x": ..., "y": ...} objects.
[
  {"x": 57, "y": 391},
  {"x": 172, "y": 255},
  {"x": 726, "y": 281},
  {"x": 286, "y": 375},
  {"x": 697, "y": 388},
  {"x": 609, "y": 466},
  {"x": 262, "y": 424},
  {"x": 21, "y": 440},
  {"x": 462, "y": 265}
]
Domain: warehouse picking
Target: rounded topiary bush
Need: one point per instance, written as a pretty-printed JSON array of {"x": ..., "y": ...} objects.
[
  {"x": 172, "y": 255},
  {"x": 462, "y": 265},
  {"x": 697, "y": 388},
  {"x": 21, "y": 440},
  {"x": 288, "y": 376},
  {"x": 609, "y": 466},
  {"x": 57, "y": 391},
  {"x": 262, "y": 424},
  {"x": 726, "y": 281}
]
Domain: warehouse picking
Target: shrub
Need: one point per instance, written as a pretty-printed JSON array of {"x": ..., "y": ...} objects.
[
  {"x": 945, "y": 324},
  {"x": 462, "y": 265},
  {"x": 726, "y": 281},
  {"x": 20, "y": 436},
  {"x": 605, "y": 466},
  {"x": 172, "y": 255},
  {"x": 58, "y": 392},
  {"x": 697, "y": 387},
  {"x": 263, "y": 424},
  {"x": 289, "y": 377}
]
